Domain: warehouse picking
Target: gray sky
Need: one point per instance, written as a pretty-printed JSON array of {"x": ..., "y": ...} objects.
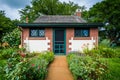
[{"x": 11, "y": 7}]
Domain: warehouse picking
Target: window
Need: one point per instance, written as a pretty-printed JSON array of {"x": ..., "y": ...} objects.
[
  {"x": 37, "y": 32},
  {"x": 83, "y": 32}
]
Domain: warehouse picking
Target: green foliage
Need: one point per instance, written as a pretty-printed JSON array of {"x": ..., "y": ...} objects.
[
  {"x": 117, "y": 49},
  {"x": 114, "y": 69},
  {"x": 107, "y": 52},
  {"x": 77, "y": 53},
  {"x": 100, "y": 12},
  {"x": 7, "y": 53},
  {"x": 2, "y": 64},
  {"x": 22, "y": 68},
  {"x": 47, "y": 7},
  {"x": 49, "y": 56},
  {"x": 86, "y": 68},
  {"x": 38, "y": 69},
  {"x": 30, "y": 55},
  {"x": 102, "y": 51},
  {"x": 105, "y": 43},
  {"x": 27, "y": 70},
  {"x": 12, "y": 38},
  {"x": 6, "y": 24}
]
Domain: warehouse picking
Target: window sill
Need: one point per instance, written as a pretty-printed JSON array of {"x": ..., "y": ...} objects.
[
  {"x": 82, "y": 38},
  {"x": 37, "y": 38}
]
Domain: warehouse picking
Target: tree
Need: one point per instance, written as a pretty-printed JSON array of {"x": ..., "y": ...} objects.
[
  {"x": 12, "y": 38},
  {"x": 6, "y": 24},
  {"x": 47, "y": 7},
  {"x": 107, "y": 11}
]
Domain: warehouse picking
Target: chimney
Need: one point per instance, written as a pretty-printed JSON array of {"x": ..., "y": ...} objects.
[
  {"x": 78, "y": 12},
  {"x": 26, "y": 19}
]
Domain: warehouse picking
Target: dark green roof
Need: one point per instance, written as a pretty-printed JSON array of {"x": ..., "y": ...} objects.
[{"x": 60, "y": 25}]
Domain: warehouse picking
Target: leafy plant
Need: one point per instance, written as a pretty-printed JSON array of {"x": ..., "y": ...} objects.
[
  {"x": 48, "y": 56},
  {"x": 86, "y": 68},
  {"x": 105, "y": 43},
  {"x": 12, "y": 38},
  {"x": 102, "y": 51},
  {"x": 33, "y": 68},
  {"x": 7, "y": 53},
  {"x": 77, "y": 53}
]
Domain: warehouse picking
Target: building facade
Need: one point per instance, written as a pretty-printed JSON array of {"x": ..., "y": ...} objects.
[{"x": 60, "y": 34}]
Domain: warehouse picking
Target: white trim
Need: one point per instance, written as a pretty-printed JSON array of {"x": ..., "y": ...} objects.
[
  {"x": 80, "y": 45},
  {"x": 37, "y": 45}
]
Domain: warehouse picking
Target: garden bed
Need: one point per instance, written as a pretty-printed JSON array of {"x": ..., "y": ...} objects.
[
  {"x": 86, "y": 67},
  {"x": 22, "y": 66},
  {"x": 102, "y": 63}
]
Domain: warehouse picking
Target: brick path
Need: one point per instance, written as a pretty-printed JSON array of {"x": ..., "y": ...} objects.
[{"x": 58, "y": 69}]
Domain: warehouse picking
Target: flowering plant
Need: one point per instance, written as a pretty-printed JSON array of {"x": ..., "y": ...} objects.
[{"x": 34, "y": 68}]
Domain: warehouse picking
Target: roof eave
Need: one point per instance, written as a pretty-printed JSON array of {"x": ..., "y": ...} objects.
[{"x": 61, "y": 25}]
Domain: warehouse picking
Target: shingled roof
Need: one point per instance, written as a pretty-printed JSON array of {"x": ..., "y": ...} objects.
[{"x": 59, "y": 19}]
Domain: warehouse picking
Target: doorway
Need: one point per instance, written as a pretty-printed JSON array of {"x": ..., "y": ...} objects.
[{"x": 59, "y": 41}]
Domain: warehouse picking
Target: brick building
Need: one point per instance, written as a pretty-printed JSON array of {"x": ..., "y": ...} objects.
[{"x": 60, "y": 34}]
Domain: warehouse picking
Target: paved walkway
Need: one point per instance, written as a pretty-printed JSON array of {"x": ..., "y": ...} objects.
[{"x": 58, "y": 69}]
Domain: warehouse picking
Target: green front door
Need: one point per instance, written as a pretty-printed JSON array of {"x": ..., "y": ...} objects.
[{"x": 59, "y": 41}]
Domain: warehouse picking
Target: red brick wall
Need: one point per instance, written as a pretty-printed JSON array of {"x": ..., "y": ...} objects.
[
  {"x": 48, "y": 33},
  {"x": 25, "y": 34},
  {"x": 94, "y": 34},
  {"x": 70, "y": 33}
]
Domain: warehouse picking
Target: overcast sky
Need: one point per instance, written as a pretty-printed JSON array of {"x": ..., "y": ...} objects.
[{"x": 11, "y": 7}]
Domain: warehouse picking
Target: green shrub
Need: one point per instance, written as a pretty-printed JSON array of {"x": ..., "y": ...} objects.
[
  {"x": 29, "y": 55},
  {"x": 33, "y": 68},
  {"x": 86, "y": 68},
  {"x": 2, "y": 64},
  {"x": 107, "y": 52},
  {"x": 105, "y": 43},
  {"x": 117, "y": 49},
  {"x": 12, "y": 38},
  {"x": 38, "y": 69},
  {"x": 7, "y": 53},
  {"x": 77, "y": 53},
  {"x": 101, "y": 51},
  {"x": 49, "y": 56}
]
